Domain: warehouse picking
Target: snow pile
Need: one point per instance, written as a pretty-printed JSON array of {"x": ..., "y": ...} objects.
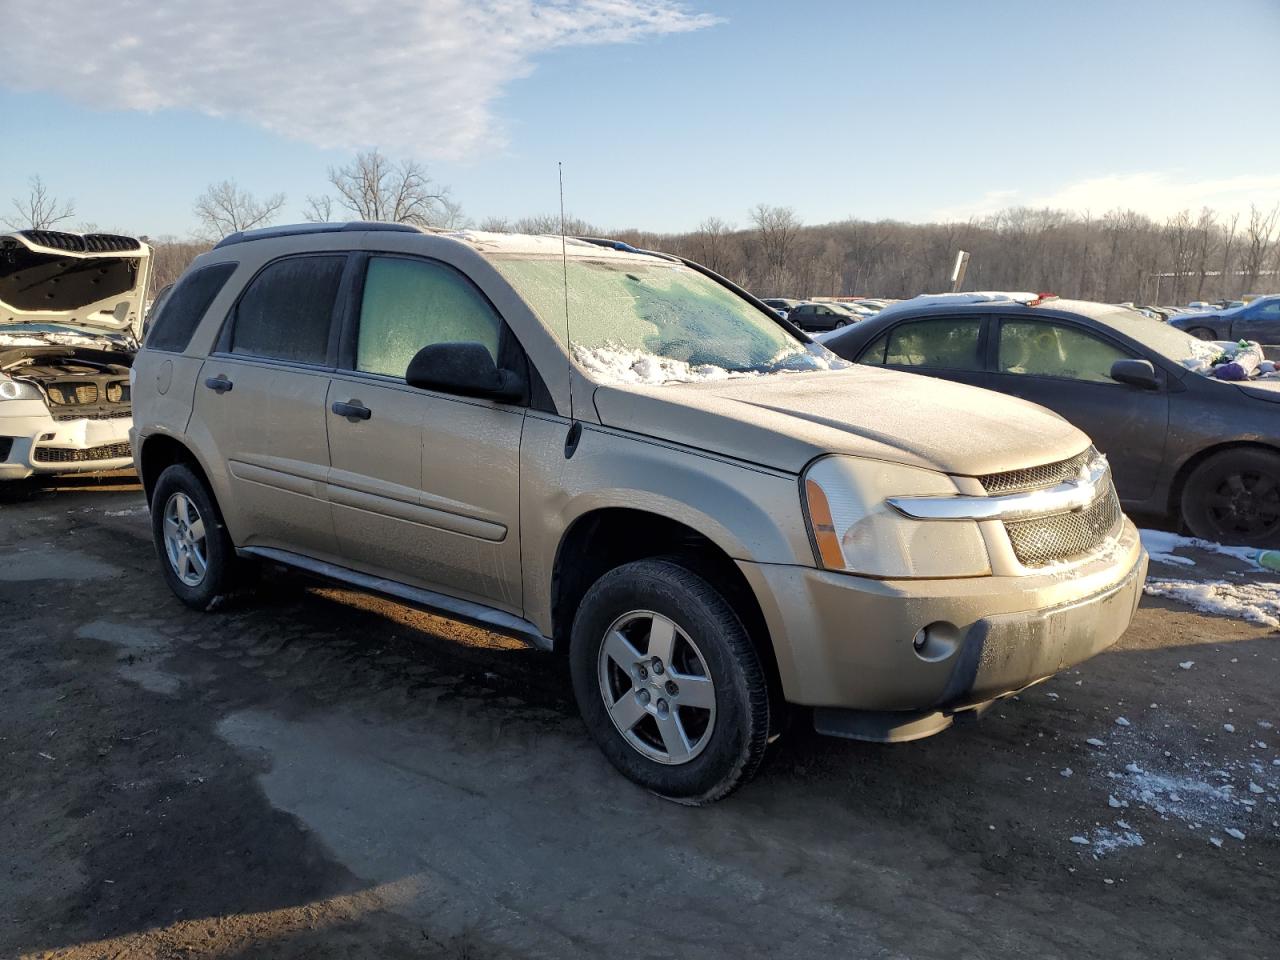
[
  {"x": 623, "y": 365},
  {"x": 1256, "y": 602}
]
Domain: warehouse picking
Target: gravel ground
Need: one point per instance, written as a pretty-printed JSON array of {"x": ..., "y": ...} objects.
[{"x": 318, "y": 773}]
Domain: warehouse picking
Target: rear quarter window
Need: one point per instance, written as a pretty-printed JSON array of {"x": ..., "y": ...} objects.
[{"x": 182, "y": 310}]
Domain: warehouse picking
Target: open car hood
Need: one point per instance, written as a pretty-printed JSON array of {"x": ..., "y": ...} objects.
[
  {"x": 784, "y": 420},
  {"x": 95, "y": 282}
]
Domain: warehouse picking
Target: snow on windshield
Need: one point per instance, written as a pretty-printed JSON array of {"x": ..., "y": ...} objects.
[{"x": 651, "y": 320}]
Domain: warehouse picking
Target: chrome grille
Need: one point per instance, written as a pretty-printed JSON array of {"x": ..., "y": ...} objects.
[
  {"x": 1064, "y": 536},
  {"x": 1036, "y": 478},
  {"x": 109, "y": 451}
]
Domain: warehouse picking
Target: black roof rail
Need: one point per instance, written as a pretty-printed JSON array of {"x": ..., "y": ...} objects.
[{"x": 304, "y": 229}]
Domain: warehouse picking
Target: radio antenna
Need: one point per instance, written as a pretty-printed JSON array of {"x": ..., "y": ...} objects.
[{"x": 564, "y": 264}]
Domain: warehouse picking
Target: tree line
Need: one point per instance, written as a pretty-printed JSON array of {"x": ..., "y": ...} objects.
[{"x": 1117, "y": 256}]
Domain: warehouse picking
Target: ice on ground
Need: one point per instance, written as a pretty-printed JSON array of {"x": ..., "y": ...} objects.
[
  {"x": 1083, "y": 841},
  {"x": 1095, "y": 742},
  {"x": 1106, "y": 840},
  {"x": 1255, "y": 602},
  {"x": 1161, "y": 546},
  {"x": 1233, "y": 832},
  {"x": 1229, "y": 727},
  {"x": 1187, "y": 664},
  {"x": 1122, "y": 722},
  {"x": 1066, "y": 772}
]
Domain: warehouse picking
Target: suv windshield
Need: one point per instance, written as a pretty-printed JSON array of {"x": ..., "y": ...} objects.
[{"x": 639, "y": 322}]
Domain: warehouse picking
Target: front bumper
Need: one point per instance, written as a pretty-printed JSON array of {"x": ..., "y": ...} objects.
[
  {"x": 847, "y": 642},
  {"x": 36, "y": 443}
]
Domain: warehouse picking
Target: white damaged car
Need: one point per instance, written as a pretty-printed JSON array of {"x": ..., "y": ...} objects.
[{"x": 71, "y": 309}]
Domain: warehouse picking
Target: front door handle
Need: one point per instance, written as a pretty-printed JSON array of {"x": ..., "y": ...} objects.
[
  {"x": 220, "y": 383},
  {"x": 353, "y": 410}
]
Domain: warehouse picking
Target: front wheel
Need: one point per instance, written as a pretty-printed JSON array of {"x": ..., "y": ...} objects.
[
  {"x": 668, "y": 681},
  {"x": 1203, "y": 333},
  {"x": 1234, "y": 497}
]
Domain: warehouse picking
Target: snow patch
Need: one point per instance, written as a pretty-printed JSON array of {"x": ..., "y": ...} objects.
[
  {"x": 1255, "y": 602},
  {"x": 613, "y": 364}
]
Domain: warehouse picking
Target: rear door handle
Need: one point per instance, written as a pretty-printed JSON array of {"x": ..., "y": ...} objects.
[
  {"x": 353, "y": 410},
  {"x": 220, "y": 383}
]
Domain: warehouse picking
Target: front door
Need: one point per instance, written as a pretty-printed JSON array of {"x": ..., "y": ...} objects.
[
  {"x": 425, "y": 486},
  {"x": 1260, "y": 322},
  {"x": 261, "y": 395},
  {"x": 1068, "y": 369}
]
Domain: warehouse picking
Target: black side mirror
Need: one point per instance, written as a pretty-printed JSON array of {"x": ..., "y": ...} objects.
[
  {"x": 1135, "y": 373},
  {"x": 466, "y": 369}
]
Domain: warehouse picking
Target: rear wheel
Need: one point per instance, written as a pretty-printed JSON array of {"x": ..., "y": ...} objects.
[
  {"x": 196, "y": 555},
  {"x": 1204, "y": 333},
  {"x": 1234, "y": 497},
  {"x": 668, "y": 681}
]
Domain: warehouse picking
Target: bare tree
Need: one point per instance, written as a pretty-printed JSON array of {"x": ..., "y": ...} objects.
[
  {"x": 1257, "y": 242},
  {"x": 709, "y": 243},
  {"x": 39, "y": 210},
  {"x": 319, "y": 209},
  {"x": 373, "y": 187},
  {"x": 777, "y": 228},
  {"x": 224, "y": 208}
]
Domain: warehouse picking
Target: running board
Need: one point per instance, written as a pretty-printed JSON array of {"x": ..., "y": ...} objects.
[{"x": 465, "y": 610}]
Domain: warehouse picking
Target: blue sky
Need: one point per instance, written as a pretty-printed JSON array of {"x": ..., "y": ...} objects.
[{"x": 664, "y": 113}]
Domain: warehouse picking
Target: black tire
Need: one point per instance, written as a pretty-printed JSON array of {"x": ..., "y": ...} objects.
[
  {"x": 1234, "y": 497},
  {"x": 736, "y": 740},
  {"x": 224, "y": 573},
  {"x": 1203, "y": 333}
]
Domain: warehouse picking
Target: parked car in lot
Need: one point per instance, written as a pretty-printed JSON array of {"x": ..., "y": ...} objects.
[
  {"x": 816, "y": 317},
  {"x": 70, "y": 311},
  {"x": 782, "y": 305},
  {"x": 708, "y": 515},
  {"x": 1181, "y": 444},
  {"x": 1257, "y": 320}
]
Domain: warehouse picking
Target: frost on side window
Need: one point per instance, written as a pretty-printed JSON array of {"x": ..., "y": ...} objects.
[{"x": 632, "y": 321}]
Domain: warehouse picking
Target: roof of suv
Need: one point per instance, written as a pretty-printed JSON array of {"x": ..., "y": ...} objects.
[{"x": 478, "y": 240}]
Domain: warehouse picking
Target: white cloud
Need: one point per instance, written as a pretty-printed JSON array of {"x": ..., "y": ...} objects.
[
  {"x": 421, "y": 75},
  {"x": 1158, "y": 195}
]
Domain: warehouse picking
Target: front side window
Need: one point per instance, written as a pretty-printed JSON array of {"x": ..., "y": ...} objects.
[
  {"x": 649, "y": 320},
  {"x": 286, "y": 311},
  {"x": 411, "y": 304},
  {"x": 944, "y": 343},
  {"x": 1038, "y": 349}
]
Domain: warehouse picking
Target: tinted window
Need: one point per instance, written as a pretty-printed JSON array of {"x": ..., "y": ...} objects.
[
  {"x": 945, "y": 344},
  {"x": 179, "y": 310},
  {"x": 1268, "y": 311},
  {"x": 1035, "y": 348},
  {"x": 285, "y": 312},
  {"x": 409, "y": 304}
]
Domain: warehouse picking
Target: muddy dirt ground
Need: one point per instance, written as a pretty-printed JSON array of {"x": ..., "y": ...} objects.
[{"x": 323, "y": 774}]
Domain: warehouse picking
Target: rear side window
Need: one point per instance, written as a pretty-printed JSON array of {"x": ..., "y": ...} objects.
[
  {"x": 178, "y": 315},
  {"x": 410, "y": 304},
  {"x": 286, "y": 311},
  {"x": 942, "y": 344},
  {"x": 1037, "y": 349}
]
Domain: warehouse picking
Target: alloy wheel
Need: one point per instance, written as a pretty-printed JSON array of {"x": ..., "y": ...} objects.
[
  {"x": 184, "y": 539},
  {"x": 1245, "y": 503},
  {"x": 656, "y": 687}
]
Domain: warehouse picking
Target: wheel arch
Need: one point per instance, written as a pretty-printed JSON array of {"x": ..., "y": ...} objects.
[
  {"x": 160, "y": 451},
  {"x": 605, "y": 538}
]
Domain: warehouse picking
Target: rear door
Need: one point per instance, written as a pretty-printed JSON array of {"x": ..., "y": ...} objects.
[
  {"x": 950, "y": 347},
  {"x": 1260, "y": 322},
  {"x": 1067, "y": 368},
  {"x": 261, "y": 396},
  {"x": 425, "y": 486}
]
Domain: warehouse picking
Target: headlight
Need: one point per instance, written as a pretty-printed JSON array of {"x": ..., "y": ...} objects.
[
  {"x": 16, "y": 390},
  {"x": 856, "y": 531}
]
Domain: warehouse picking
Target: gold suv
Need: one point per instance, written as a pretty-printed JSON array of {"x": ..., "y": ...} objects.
[{"x": 621, "y": 456}]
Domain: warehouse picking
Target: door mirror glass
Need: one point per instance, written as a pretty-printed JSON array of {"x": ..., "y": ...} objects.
[
  {"x": 1135, "y": 373},
  {"x": 465, "y": 368}
]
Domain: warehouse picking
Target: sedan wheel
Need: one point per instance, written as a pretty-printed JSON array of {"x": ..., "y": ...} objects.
[
  {"x": 657, "y": 688},
  {"x": 1234, "y": 497},
  {"x": 1203, "y": 333}
]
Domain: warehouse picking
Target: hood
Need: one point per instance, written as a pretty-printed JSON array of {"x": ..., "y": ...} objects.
[
  {"x": 95, "y": 282},
  {"x": 1268, "y": 389},
  {"x": 785, "y": 420}
]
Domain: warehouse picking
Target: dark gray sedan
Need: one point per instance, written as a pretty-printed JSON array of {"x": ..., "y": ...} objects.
[
  {"x": 1257, "y": 320},
  {"x": 1180, "y": 443}
]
